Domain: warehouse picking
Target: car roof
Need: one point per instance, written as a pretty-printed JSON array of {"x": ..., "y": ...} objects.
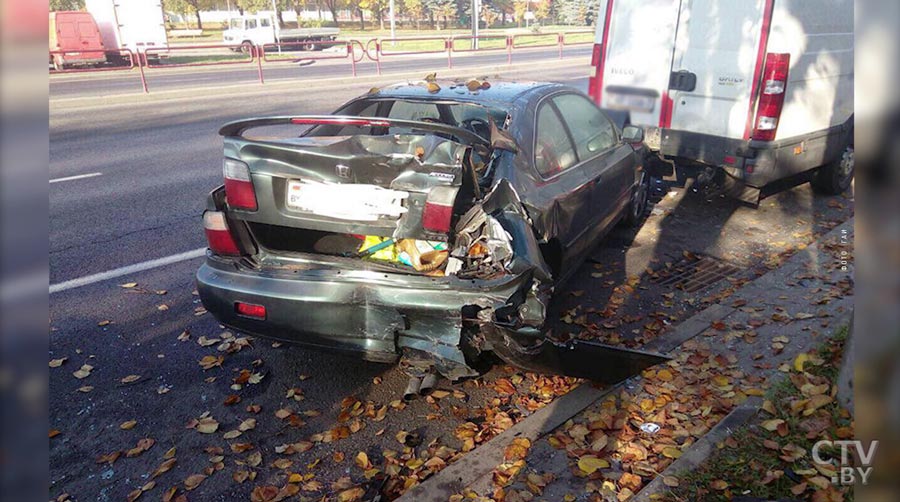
[{"x": 500, "y": 92}]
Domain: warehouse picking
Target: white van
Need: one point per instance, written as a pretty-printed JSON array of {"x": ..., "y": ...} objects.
[
  {"x": 739, "y": 93},
  {"x": 136, "y": 25}
]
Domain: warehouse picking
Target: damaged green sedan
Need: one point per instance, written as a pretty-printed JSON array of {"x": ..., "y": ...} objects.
[{"x": 423, "y": 222}]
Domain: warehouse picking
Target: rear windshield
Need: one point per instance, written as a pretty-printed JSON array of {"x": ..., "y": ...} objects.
[{"x": 470, "y": 116}]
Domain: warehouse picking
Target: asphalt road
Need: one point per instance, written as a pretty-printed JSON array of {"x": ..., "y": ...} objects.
[
  {"x": 126, "y": 82},
  {"x": 157, "y": 159}
]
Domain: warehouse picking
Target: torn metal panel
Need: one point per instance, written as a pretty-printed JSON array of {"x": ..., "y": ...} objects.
[{"x": 531, "y": 350}]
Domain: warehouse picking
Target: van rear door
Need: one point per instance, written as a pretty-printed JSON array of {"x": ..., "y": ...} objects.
[
  {"x": 89, "y": 37},
  {"x": 636, "y": 40},
  {"x": 716, "y": 56}
]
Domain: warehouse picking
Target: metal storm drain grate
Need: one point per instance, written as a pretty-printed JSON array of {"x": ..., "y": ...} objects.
[{"x": 694, "y": 272}]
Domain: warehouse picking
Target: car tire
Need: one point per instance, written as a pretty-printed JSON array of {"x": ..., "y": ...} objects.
[
  {"x": 835, "y": 178},
  {"x": 638, "y": 205}
]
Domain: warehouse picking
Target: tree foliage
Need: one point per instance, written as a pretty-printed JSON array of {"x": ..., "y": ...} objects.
[
  {"x": 190, "y": 7},
  {"x": 433, "y": 13},
  {"x": 66, "y": 5}
]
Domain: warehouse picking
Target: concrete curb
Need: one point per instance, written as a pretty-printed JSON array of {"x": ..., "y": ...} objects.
[
  {"x": 701, "y": 450},
  {"x": 478, "y": 465}
]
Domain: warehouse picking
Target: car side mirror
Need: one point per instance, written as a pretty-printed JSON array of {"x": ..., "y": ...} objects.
[{"x": 632, "y": 134}]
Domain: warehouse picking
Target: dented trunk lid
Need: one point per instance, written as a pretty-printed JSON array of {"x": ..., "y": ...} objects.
[{"x": 362, "y": 184}]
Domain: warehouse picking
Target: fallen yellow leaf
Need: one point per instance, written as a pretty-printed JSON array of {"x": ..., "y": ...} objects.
[
  {"x": 671, "y": 452},
  {"x": 799, "y": 361},
  {"x": 772, "y": 425},
  {"x": 589, "y": 464}
]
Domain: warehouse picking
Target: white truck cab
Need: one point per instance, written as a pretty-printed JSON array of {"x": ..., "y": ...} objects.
[
  {"x": 252, "y": 29},
  {"x": 743, "y": 92},
  {"x": 260, "y": 29}
]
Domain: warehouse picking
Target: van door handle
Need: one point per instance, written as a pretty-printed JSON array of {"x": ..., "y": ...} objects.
[{"x": 682, "y": 80}]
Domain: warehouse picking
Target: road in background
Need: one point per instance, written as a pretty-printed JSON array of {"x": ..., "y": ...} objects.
[{"x": 127, "y": 82}]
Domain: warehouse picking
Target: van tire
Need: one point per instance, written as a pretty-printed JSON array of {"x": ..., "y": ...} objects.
[
  {"x": 636, "y": 208},
  {"x": 835, "y": 178},
  {"x": 246, "y": 47}
]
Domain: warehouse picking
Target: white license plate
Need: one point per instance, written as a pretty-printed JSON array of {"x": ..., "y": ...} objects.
[
  {"x": 345, "y": 201},
  {"x": 630, "y": 102}
]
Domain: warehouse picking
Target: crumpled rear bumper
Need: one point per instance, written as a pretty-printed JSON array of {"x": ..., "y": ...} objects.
[{"x": 372, "y": 313}]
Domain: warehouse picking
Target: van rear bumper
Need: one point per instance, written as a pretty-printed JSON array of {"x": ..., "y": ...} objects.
[{"x": 757, "y": 163}]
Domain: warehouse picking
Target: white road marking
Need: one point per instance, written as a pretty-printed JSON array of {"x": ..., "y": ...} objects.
[
  {"x": 130, "y": 269},
  {"x": 77, "y": 177}
]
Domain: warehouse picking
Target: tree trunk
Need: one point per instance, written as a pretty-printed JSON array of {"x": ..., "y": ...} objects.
[
  {"x": 362, "y": 20},
  {"x": 280, "y": 17},
  {"x": 333, "y": 13},
  {"x": 431, "y": 20},
  {"x": 199, "y": 23}
]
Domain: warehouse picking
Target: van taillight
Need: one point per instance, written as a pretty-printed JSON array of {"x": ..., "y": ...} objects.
[
  {"x": 218, "y": 236},
  {"x": 438, "y": 209},
  {"x": 771, "y": 97},
  {"x": 595, "y": 55},
  {"x": 239, "y": 191},
  {"x": 595, "y": 78}
]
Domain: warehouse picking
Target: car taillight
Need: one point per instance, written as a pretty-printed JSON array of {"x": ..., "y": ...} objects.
[
  {"x": 439, "y": 209},
  {"x": 239, "y": 191},
  {"x": 771, "y": 98},
  {"x": 250, "y": 310},
  {"x": 218, "y": 236}
]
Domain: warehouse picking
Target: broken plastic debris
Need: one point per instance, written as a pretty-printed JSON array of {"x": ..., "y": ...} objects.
[
  {"x": 650, "y": 428},
  {"x": 378, "y": 248},
  {"x": 454, "y": 265}
]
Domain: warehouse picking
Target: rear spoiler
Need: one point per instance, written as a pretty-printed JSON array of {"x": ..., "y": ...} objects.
[{"x": 237, "y": 128}]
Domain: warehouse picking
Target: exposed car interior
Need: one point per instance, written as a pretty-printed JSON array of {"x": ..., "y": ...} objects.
[{"x": 472, "y": 117}]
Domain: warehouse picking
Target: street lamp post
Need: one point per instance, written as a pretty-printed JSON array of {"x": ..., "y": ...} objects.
[
  {"x": 393, "y": 33},
  {"x": 476, "y": 14}
]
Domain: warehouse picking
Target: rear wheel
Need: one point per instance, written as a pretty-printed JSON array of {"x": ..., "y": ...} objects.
[
  {"x": 311, "y": 46},
  {"x": 835, "y": 178},
  {"x": 638, "y": 204},
  {"x": 246, "y": 47}
]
